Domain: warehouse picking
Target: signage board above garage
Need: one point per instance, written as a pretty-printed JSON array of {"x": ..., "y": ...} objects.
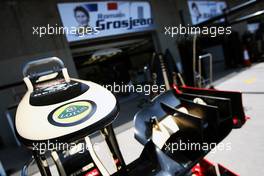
[
  {"x": 204, "y": 10},
  {"x": 89, "y": 20}
]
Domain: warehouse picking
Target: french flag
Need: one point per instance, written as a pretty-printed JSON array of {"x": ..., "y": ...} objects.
[
  {"x": 112, "y": 6},
  {"x": 92, "y": 7}
]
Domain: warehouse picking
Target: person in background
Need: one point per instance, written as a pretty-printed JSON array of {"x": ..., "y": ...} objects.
[{"x": 196, "y": 12}]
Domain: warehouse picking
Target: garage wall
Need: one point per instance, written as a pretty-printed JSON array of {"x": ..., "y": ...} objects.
[
  {"x": 166, "y": 14},
  {"x": 18, "y": 45}
]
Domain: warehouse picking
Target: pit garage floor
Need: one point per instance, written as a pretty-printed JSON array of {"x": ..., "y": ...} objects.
[{"x": 245, "y": 154}]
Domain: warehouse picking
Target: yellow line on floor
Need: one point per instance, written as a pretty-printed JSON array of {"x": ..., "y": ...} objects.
[{"x": 250, "y": 80}]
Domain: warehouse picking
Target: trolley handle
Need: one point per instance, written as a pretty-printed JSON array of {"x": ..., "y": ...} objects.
[{"x": 36, "y": 63}]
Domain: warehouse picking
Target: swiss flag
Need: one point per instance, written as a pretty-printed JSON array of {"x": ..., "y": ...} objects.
[{"x": 112, "y": 6}]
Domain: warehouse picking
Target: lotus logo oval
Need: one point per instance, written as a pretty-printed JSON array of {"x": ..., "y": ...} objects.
[{"x": 72, "y": 113}]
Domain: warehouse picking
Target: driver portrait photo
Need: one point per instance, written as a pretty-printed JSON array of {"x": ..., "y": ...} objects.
[{"x": 83, "y": 18}]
